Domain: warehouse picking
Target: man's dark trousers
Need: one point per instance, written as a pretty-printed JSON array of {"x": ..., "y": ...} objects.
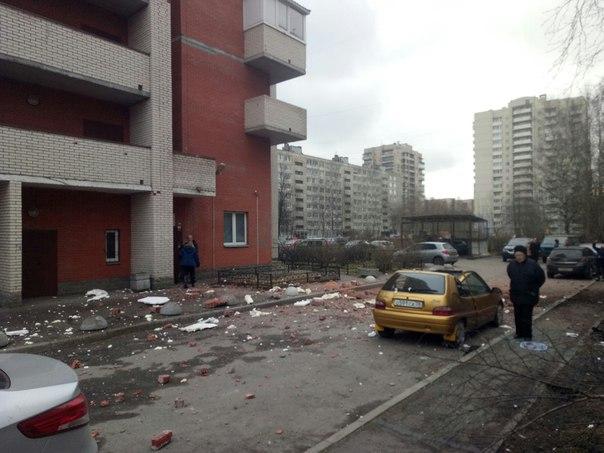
[
  {"x": 523, "y": 315},
  {"x": 188, "y": 275}
]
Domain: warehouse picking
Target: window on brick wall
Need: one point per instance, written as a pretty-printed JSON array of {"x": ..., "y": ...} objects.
[
  {"x": 103, "y": 131},
  {"x": 112, "y": 246},
  {"x": 235, "y": 228}
]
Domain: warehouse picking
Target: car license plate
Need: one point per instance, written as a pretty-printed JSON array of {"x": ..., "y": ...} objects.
[
  {"x": 566, "y": 269},
  {"x": 408, "y": 303}
]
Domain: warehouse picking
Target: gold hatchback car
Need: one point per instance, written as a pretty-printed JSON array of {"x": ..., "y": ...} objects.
[{"x": 446, "y": 302}]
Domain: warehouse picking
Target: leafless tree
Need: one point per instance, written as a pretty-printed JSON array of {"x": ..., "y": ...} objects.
[
  {"x": 577, "y": 29},
  {"x": 284, "y": 202},
  {"x": 564, "y": 161}
]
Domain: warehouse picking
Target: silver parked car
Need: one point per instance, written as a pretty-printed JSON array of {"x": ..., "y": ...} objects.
[
  {"x": 41, "y": 407},
  {"x": 438, "y": 253}
]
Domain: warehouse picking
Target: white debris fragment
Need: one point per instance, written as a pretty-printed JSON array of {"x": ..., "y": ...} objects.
[
  {"x": 301, "y": 290},
  {"x": 159, "y": 348},
  {"x": 505, "y": 326},
  {"x": 69, "y": 331},
  {"x": 506, "y": 311},
  {"x": 201, "y": 324},
  {"x": 303, "y": 303},
  {"x": 371, "y": 334},
  {"x": 154, "y": 300},
  {"x": 149, "y": 317},
  {"x": 232, "y": 327},
  {"x": 256, "y": 313},
  {"x": 248, "y": 299},
  {"x": 209, "y": 292},
  {"x": 110, "y": 346},
  {"x": 358, "y": 305},
  {"x": 249, "y": 337},
  {"x": 308, "y": 291},
  {"x": 274, "y": 289},
  {"x": 74, "y": 317},
  {"x": 370, "y": 302},
  {"x": 572, "y": 334},
  {"x": 17, "y": 333},
  {"x": 329, "y": 296},
  {"x": 96, "y": 294},
  {"x": 183, "y": 380},
  {"x": 590, "y": 426},
  {"x": 543, "y": 297},
  {"x": 56, "y": 321}
]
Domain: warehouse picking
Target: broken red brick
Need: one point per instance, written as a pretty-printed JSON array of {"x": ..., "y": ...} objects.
[
  {"x": 95, "y": 434},
  {"x": 138, "y": 392},
  {"x": 184, "y": 364},
  {"x": 75, "y": 364},
  {"x": 250, "y": 396},
  {"x": 154, "y": 309},
  {"x": 120, "y": 397},
  {"x": 307, "y": 342},
  {"x": 163, "y": 379},
  {"x": 115, "y": 312},
  {"x": 322, "y": 318},
  {"x": 192, "y": 344},
  {"x": 152, "y": 337},
  {"x": 330, "y": 286},
  {"x": 161, "y": 440},
  {"x": 203, "y": 371},
  {"x": 214, "y": 303},
  {"x": 179, "y": 403},
  {"x": 104, "y": 403},
  {"x": 279, "y": 431},
  {"x": 228, "y": 313},
  {"x": 168, "y": 326}
]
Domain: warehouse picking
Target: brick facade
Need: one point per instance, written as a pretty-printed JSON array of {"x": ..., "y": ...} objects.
[
  {"x": 37, "y": 40},
  {"x": 10, "y": 241}
]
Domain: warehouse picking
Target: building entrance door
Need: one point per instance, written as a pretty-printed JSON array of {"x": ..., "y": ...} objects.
[
  {"x": 39, "y": 263},
  {"x": 177, "y": 244}
]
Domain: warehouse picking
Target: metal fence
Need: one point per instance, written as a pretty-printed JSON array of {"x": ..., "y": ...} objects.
[{"x": 266, "y": 277}]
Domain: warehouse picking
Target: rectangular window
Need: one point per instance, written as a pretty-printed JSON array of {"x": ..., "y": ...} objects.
[
  {"x": 235, "y": 228},
  {"x": 296, "y": 23},
  {"x": 112, "y": 246},
  {"x": 282, "y": 15}
]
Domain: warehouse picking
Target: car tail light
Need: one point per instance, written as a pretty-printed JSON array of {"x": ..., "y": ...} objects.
[
  {"x": 442, "y": 311},
  {"x": 69, "y": 415},
  {"x": 380, "y": 304},
  {"x": 445, "y": 252}
]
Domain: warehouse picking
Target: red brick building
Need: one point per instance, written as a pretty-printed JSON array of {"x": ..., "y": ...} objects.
[{"x": 127, "y": 125}]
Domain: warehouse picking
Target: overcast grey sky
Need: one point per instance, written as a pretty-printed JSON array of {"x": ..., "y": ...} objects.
[{"x": 381, "y": 71}]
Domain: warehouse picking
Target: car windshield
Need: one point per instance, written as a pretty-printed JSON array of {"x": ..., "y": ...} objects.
[
  {"x": 416, "y": 282},
  {"x": 518, "y": 241},
  {"x": 568, "y": 254},
  {"x": 550, "y": 241}
]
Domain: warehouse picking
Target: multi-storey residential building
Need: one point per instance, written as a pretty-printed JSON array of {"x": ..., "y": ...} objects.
[
  {"x": 510, "y": 158},
  {"x": 328, "y": 198},
  {"x": 127, "y": 125},
  {"x": 447, "y": 206},
  {"x": 406, "y": 166}
]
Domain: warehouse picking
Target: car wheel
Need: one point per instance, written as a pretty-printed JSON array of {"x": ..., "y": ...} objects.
[
  {"x": 498, "y": 321},
  {"x": 459, "y": 335},
  {"x": 550, "y": 274},
  {"x": 386, "y": 332},
  {"x": 438, "y": 260}
]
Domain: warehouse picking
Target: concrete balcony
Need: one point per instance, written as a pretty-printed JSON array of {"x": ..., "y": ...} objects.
[
  {"x": 124, "y": 8},
  {"x": 194, "y": 176},
  {"x": 278, "y": 54},
  {"x": 275, "y": 120},
  {"x": 39, "y": 51},
  {"x": 41, "y": 158}
]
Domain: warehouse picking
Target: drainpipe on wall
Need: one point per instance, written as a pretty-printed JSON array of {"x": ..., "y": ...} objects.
[{"x": 257, "y": 229}]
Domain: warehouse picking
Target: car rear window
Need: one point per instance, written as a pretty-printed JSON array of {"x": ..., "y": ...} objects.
[
  {"x": 448, "y": 246},
  {"x": 416, "y": 282},
  {"x": 567, "y": 255},
  {"x": 518, "y": 241},
  {"x": 4, "y": 381}
]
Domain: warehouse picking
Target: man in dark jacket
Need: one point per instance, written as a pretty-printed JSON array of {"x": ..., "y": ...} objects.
[
  {"x": 189, "y": 261},
  {"x": 534, "y": 247},
  {"x": 599, "y": 260},
  {"x": 526, "y": 277}
]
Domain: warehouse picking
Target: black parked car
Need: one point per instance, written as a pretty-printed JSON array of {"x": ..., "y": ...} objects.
[{"x": 579, "y": 261}]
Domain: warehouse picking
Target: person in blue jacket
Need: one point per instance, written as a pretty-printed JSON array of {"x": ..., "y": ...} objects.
[
  {"x": 599, "y": 260},
  {"x": 189, "y": 261}
]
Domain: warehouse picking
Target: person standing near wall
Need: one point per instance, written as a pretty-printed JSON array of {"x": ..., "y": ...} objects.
[{"x": 189, "y": 261}]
